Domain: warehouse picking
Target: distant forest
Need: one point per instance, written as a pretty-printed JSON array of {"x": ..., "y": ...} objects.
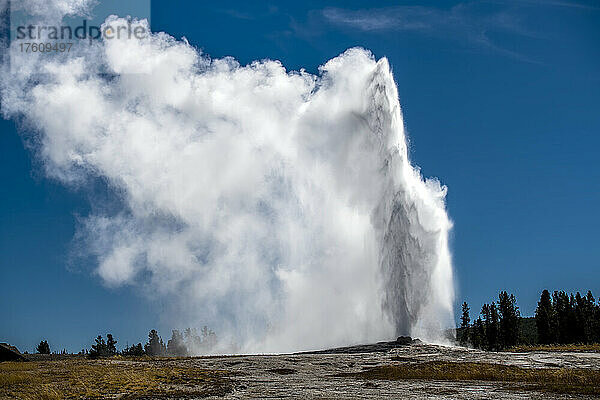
[
  {"x": 181, "y": 344},
  {"x": 560, "y": 318}
]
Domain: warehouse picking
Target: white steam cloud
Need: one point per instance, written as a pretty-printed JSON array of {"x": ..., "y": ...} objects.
[{"x": 279, "y": 207}]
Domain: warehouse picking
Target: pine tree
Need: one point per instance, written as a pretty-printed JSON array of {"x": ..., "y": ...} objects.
[
  {"x": 490, "y": 321},
  {"x": 485, "y": 312},
  {"x": 509, "y": 314},
  {"x": 589, "y": 315},
  {"x": 594, "y": 322},
  {"x": 478, "y": 334},
  {"x": 580, "y": 312},
  {"x": 565, "y": 315},
  {"x": 98, "y": 349},
  {"x": 111, "y": 345},
  {"x": 135, "y": 350},
  {"x": 464, "y": 324},
  {"x": 138, "y": 350},
  {"x": 43, "y": 347},
  {"x": 155, "y": 345},
  {"x": 545, "y": 319}
]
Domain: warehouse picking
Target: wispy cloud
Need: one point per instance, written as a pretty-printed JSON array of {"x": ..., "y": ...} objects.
[
  {"x": 389, "y": 18},
  {"x": 473, "y": 16},
  {"x": 558, "y": 3},
  {"x": 471, "y": 23}
]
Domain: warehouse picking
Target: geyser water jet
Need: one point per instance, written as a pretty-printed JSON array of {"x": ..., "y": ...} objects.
[{"x": 278, "y": 207}]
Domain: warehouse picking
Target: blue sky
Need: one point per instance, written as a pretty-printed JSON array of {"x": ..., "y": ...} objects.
[{"x": 501, "y": 103}]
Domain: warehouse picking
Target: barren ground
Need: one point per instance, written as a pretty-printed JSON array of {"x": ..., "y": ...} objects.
[{"x": 415, "y": 371}]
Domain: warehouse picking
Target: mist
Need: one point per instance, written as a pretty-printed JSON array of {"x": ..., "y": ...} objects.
[{"x": 278, "y": 207}]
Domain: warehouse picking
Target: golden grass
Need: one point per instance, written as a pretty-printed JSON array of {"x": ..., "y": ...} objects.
[
  {"x": 557, "y": 347},
  {"x": 99, "y": 379},
  {"x": 559, "y": 380},
  {"x": 12, "y": 379}
]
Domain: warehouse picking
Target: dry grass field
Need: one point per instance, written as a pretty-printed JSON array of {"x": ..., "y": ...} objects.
[
  {"x": 79, "y": 378},
  {"x": 559, "y": 347},
  {"x": 554, "y": 380}
]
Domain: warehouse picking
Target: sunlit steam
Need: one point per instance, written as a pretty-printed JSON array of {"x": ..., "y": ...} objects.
[{"x": 280, "y": 208}]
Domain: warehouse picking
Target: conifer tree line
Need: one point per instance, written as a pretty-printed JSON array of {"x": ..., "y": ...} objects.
[
  {"x": 563, "y": 318},
  {"x": 560, "y": 318},
  {"x": 181, "y": 344},
  {"x": 185, "y": 343},
  {"x": 497, "y": 326}
]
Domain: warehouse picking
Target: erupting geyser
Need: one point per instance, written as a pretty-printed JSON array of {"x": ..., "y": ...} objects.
[{"x": 278, "y": 207}]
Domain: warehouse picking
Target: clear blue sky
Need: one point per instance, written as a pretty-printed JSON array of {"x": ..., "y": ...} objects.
[{"x": 501, "y": 101}]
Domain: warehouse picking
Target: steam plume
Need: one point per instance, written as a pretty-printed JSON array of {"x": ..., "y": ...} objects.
[{"x": 280, "y": 207}]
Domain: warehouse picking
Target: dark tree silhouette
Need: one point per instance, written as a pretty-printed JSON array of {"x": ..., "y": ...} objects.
[
  {"x": 43, "y": 347},
  {"x": 111, "y": 345},
  {"x": 155, "y": 345},
  {"x": 478, "y": 337},
  {"x": 545, "y": 319},
  {"x": 464, "y": 324},
  {"x": 560, "y": 318},
  {"x": 593, "y": 318},
  {"x": 565, "y": 314},
  {"x": 509, "y": 320},
  {"x": 490, "y": 321},
  {"x": 134, "y": 350},
  {"x": 138, "y": 350},
  {"x": 99, "y": 349}
]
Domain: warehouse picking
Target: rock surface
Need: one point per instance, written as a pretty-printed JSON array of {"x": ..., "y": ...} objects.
[{"x": 317, "y": 374}]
